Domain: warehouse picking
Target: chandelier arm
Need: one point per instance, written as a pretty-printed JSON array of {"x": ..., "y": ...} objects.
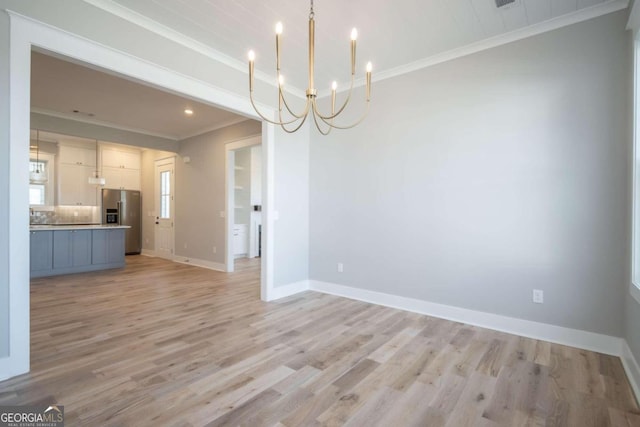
[
  {"x": 341, "y": 109},
  {"x": 315, "y": 119},
  {"x": 284, "y": 101},
  {"x": 366, "y": 111},
  {"x": 266, "y": 119},
  {"x": 297, "y": 127}
]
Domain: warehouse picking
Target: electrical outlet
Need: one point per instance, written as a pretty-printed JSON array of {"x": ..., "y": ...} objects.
[
  {"x": 75, "y": 214},
  {"x": 146, "y": 240},
  {"x": 538, "y": 296},
  {"x": 185, "y": 246},
  {"x": 215, "y": 250},
  {"x": 222, "y": 214},
  {"x": 340, "y": 267}
]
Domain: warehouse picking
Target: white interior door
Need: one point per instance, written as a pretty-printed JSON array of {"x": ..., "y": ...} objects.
[{"x": 165, "y": 207}]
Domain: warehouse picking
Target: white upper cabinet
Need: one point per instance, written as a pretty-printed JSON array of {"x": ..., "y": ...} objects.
[
  {"x": 71, "y": 155},
  {"x": 120, "y": 168},
  {"x": 75, "y": 166},
  {"x": 112, "y": 158}
]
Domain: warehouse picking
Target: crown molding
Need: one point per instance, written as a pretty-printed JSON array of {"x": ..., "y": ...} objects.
[
  {"x": 581, "y": 15},
  {"x": 186, "y": 41}
]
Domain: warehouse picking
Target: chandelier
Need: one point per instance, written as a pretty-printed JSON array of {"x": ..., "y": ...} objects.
[{"x": 324, "y": 122}]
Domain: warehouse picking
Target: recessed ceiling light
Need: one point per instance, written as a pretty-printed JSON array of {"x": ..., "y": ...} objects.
[
  {"x": 188, "y": 112},
  {"x": 83, "y": 113}
]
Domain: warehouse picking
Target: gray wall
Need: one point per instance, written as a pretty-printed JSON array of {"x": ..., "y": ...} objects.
[
  {"x": 102, "y": 133},
  {"x": 4, "y": 185},
  {"x": 492, "y": 175},
  {"x": 200, "y": 191},
  {"x": 292, "y": 204}
]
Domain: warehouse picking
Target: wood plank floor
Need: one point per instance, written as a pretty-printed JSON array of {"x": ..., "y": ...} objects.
[{"x": 167, "y": 344}]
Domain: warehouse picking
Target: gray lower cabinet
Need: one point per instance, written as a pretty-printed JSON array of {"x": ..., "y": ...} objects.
[
  {"x": 74, "y": 251},
  {"x": 71, "y": 248},
  {"x": 41, "y": 250},
  {"x": 108, "y": 246}
]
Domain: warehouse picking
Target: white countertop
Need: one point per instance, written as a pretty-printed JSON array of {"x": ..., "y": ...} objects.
[{"x": 48, "y": 227}]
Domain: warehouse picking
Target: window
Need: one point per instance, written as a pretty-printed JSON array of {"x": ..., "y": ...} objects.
[
  {"x": 41, "y": 194},
  {"x": 165, "y": 194},
  {"x": 37, "y": 194}
]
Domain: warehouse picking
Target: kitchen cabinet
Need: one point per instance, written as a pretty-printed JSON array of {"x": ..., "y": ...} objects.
[
  {"x": 75, "y": 166},
  {"x": 119, "y": 159},
  {"x": 71, "y": 248},
  {"x": 72, "y": 155},
  {"x": 121, "y": 179},
  {"x": 73, "y": 185},
  {"x": 121, "y": 169},
  {"x": 41, "y": 251},
  {"x": 240, "y": 241},
  {"x": 107, "y": 246},
  {"x": 54, "y": 252}
]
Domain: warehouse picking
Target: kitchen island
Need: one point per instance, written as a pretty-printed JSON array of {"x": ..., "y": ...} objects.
[{"x": 70, "y": 248}]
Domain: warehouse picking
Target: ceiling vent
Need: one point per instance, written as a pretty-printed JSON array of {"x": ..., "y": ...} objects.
[{"x": 502, "y": 3}]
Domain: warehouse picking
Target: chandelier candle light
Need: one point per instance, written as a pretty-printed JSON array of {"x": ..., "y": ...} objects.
[{"x": 311, "y": 94}]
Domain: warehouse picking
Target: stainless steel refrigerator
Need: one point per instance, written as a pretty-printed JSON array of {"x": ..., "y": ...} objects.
[{"x": 124, "y": 207}]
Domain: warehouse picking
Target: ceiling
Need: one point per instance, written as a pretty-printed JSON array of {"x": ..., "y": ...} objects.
[
  {"x": 59, "y": 87},
  {"x": 396, "y": 36},
  {"x": 392, "y": 34}
]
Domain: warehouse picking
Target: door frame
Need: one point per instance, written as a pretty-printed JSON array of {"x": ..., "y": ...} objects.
[
  {"x": 27, "y": 33},
  {"x": 229, "y": 162},
  {"x": 156, "y": 202}
]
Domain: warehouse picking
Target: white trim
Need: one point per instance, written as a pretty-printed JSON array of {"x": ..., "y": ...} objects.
[
  {"x": 634, "y": 18},
  {"x": 199, "y": 263},
  {"x": 24, "y": 33},
  {"x": 632, "y": 368},
  {"x": 18, "y": 360},
  {"x": 526, "y": 328},
  {"x": 499, "y": 40},
  {"x": 268, "y": 211},
  {"x": 635, "y": 292},
  {"x": 186, "y": 41},
  {"x": 288, "y": 290},
  {"x": 149, "y": 252}
]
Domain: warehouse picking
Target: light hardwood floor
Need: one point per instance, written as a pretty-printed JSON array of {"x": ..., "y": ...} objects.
[{"x": 167, "y": 344}]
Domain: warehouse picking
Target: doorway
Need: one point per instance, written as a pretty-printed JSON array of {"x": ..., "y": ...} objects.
[
  {"x": 25, "y": 34},
  {"x": 244, "y": 200},
  {"x": 164, "y": 194}
]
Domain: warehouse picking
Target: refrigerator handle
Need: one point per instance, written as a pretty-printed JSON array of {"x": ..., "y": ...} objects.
[{"x": 119, "y": 204}]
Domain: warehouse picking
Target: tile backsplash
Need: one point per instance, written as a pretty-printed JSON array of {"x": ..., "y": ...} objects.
[{"x": 67, "y": 215}]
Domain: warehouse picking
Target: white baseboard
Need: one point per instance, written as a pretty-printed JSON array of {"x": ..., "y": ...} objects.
[
  {"x": 288, "y": 290},
  {"x": 632, "y": 368},
  {"x": 526, "y": 328},
  {"x": 200, "y": 263},
  {"x": 148, "y": 252}
]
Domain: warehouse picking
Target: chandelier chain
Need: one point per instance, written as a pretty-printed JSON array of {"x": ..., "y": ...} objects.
[{"x": 311, "y": 12}]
